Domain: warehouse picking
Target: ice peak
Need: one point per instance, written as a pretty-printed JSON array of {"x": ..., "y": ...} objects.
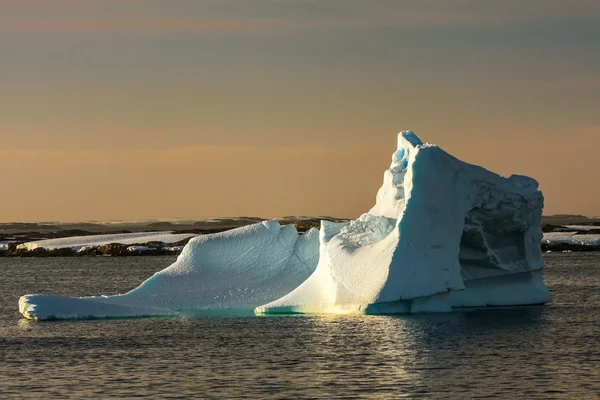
[
  {"x": 408, "y": 138},
  {"x": 390, "y": 197}
]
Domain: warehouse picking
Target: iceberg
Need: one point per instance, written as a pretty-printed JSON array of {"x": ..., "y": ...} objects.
[
  {"x": 443, "y": 234},
  {"x": 236, "y": 270}
]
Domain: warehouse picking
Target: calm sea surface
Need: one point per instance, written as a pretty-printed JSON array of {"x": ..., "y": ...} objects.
[{"x": 530, "y": 352}]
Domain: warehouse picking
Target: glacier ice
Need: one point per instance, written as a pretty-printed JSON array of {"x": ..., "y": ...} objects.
[{"x": 442, "y": 234}]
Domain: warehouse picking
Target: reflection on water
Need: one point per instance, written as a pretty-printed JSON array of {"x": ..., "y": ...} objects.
[
  {"x": 25, "y": 324},
  {"x": 528, "y": 352}
]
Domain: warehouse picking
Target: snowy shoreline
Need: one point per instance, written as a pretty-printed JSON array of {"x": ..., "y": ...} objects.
[
  {"x": 557, "y": 238},
  {"x": 77, "y": 243},
  {"x": 121, "y": 244}
]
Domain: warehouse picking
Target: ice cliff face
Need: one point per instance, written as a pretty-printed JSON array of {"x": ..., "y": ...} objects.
[{"x": 442, "y": 234}]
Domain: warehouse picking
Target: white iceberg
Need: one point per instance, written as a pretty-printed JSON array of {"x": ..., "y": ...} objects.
[
  {"x": 442, "y": 234},
  {"x": 237, "y": 270}
]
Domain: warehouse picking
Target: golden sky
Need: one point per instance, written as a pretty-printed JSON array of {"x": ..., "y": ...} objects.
[{"x": 154, "y": 109}]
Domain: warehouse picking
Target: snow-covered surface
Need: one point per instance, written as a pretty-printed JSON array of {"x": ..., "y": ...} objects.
[
  {"x": 572, "y": 238},
  {"x": 442, "y": 234},
  {"x": 4, "y": 244},
  {"x": 174, "y": 249},
  {"x": 78, "y": 242},
  {"x": 139, "y": 249},
  {"x": 568, "y": 228}
]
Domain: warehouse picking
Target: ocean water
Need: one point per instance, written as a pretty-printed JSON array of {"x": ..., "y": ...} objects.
[{"x": 551, "y": 351}]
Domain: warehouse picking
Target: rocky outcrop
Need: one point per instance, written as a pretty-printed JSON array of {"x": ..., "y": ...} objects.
[
  {"x": 566, "y": 247},
  {"x": 112, "y": 249}
]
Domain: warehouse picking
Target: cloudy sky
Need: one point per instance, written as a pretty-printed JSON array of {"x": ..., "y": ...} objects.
[{"x": 135, "y": 109}]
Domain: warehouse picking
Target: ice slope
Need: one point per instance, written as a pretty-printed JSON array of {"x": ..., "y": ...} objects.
[
  {"x": 442, "y": 234},
  {"x": 237, "y": 269},
  {"x": 77, "y": 242}
]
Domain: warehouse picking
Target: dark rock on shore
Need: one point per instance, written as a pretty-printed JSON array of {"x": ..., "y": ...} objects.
[
  {"x": 552, "y": 228},
  {"x": 303, "y": 226},
  {"x": 558, "y": 247},
  {"x": 110, "y": 250},
  {"x": 40, "y": 252},
  {"x": 593, "y": 231}
]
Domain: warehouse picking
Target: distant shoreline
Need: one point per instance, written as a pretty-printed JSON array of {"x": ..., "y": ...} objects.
[
  {"x": 562, "y": 233},
  {"x": 21, "y": 239}
]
